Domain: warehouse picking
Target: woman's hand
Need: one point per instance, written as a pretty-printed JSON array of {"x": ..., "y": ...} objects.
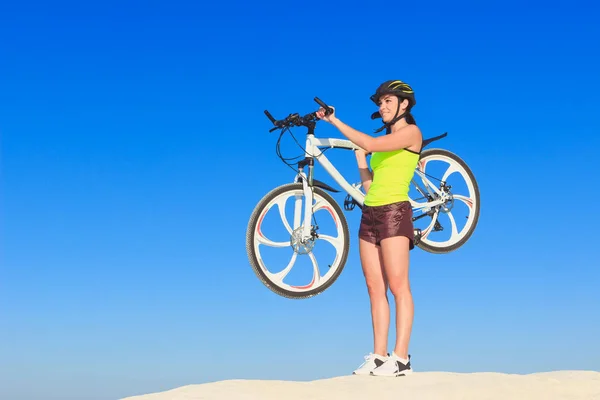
[
  {"x": 360, "y": 153},
  {"x": 329, "y": 118}
]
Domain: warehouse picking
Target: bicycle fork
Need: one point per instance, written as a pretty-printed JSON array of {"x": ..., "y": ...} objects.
[{"x": 307, "y": 183}]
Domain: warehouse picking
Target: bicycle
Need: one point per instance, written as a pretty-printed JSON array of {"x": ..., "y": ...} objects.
[{"x": 312, "y": 195}]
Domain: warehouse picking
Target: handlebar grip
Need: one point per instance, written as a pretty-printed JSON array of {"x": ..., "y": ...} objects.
[
  {"x": 328, "y": 109},
  {"x": 268, "y": 114}
]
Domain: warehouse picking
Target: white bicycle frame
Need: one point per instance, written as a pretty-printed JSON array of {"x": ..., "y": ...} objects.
[{"x": 312, "y": 150}]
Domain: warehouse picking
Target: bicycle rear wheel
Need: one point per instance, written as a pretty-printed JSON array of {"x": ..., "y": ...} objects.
[
  {"x": 312, "y": 263},
  {"x": 442, "y": 175}
]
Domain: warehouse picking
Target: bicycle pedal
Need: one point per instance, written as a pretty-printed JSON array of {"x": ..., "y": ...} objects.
[{"x": 349, "y": 203}]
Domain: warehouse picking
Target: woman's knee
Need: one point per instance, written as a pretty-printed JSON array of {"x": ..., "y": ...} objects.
[
  {"x": 376, "y": 288},
  {"x": 400, "y": 288}
]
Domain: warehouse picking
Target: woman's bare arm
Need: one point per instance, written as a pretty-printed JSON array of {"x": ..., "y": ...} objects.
[{"x": 366, "y": 175}]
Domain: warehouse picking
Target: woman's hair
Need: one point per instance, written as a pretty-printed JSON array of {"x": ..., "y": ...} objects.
[{"x": 407, "y": 114}]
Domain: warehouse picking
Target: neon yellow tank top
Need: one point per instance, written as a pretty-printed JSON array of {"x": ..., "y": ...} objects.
[{"x": 392, "y": 173}]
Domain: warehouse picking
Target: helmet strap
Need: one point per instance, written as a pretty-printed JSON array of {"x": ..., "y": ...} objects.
[{"x": 388, "y": 126}]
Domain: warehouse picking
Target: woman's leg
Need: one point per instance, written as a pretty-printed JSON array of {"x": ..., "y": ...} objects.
[
  {"x": 395, "y": 252},
  {"x": 370, "y": 256}
]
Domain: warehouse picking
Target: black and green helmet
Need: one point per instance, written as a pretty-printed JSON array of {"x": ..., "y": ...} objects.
[{"x": 396, "y": 88}]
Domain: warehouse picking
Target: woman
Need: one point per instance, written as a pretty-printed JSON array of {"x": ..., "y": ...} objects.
[{"x": 386, "y": 229}]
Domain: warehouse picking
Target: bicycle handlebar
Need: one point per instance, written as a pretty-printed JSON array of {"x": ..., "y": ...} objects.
[
  {"x": 296, "y": 119},
  {"x": 273, "y": 120},
  {"x": 328, "y": 110}
]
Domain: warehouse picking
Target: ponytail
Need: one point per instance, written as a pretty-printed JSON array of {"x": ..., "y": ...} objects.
[{"x": 410, "y": 119}]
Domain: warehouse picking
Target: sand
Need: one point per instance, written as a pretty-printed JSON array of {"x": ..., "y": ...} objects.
[{"x": 570, "y": 385}]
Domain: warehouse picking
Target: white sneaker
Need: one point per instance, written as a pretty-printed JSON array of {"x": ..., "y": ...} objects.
[
  {"x": 393, "y": 367},
  {"x": 371, "y": 362}
]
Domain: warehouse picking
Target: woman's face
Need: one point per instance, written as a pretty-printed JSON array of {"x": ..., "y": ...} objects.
[{"x": 388, "y": 104}]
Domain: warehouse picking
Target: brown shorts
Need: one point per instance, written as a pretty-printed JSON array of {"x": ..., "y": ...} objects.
[{"x": 380, "y": 222}]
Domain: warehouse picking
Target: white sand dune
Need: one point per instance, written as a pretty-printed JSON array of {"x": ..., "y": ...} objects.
[{"x": 572, "y": 385}]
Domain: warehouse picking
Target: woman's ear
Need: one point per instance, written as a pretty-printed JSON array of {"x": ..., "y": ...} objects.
[{"x": 404, "y": 104}]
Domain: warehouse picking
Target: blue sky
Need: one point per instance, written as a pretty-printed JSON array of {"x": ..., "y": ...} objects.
[{"x": 134, "y": 149}]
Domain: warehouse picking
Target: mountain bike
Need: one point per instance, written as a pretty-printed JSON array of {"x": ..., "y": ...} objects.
[{"x": 432, "y": 197}]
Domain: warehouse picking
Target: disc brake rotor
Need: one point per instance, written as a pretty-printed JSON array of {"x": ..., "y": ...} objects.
[
  {"x": 299, "y": 245},
  {"x": 447, "y": 197}
]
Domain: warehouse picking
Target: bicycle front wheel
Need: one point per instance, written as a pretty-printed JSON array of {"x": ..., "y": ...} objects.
[{"x": 313, "y": 265}]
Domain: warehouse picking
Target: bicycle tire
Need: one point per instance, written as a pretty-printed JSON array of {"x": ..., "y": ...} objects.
[
  {"x": 476, "y": 212},
  {"x": 251, "y": 239}
]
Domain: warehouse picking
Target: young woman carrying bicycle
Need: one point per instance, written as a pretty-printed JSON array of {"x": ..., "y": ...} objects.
[{"x": 386, "y": 229}]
